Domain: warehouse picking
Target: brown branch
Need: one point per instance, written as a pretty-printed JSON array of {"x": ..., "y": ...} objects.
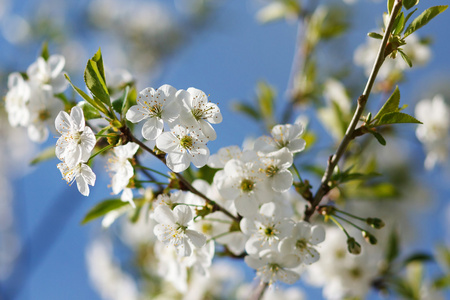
[
  {"x": 349, "y": 134},
  {"x": 215, "y": 207}
]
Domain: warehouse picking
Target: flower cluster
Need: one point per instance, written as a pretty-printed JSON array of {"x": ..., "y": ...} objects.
[
  {"x": 188, "y": 114},
  {"x": 74, "y": 148},
  {"x": 31, "y": 101}
]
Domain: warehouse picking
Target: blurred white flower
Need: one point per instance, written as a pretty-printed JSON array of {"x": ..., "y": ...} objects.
[
  {"x": 49, "y": 73},
  {"x": 77, "y": 140},
  {"x": 434, "y": 133}
]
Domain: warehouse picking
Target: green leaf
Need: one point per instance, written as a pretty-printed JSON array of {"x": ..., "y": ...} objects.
[
  {"x": 102, "y": 209},
  {"x": 393, "y": 249},
  {"x": 442, "y": 282},
  {"x": 97, "y": 105},
  {"x": 418, "y": 257},
  {"x": 46, "y": 154},
  {"x": 397, "y": 117},
  {"x": 405, "y": 58},
  {"x": 379, "y": 137},
  {"x": 407, "y": 4},
  {"x": 391, "y": 104},
  {"x": 247, "y": 110},
  {"x": 45, "y": 54},
  {"x": 424, "y": 18},
  {"x": 409, "y": 15},
  {"x": 390, "y": 5},
  {"x": 94, "y": 77},
  {"x": 375, "y": 35},
  {"x": 399, "y": 23},
  {"x": 89, "y": 111}
]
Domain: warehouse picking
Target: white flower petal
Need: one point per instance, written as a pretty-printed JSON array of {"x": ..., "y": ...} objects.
[{"x": 152, "y": 128}]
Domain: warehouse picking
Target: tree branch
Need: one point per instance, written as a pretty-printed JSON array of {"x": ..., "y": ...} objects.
[{"x": 362, "y": 100}]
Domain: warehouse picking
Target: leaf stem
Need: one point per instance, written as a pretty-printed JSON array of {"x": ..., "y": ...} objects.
[
  {"x": 100, "y": 151},
  {"x": 152, "y": 170}
]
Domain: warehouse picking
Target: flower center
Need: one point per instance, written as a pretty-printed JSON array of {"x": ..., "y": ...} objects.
[
  {"x": 274, "y": 267},
  {"x": 301, "y": 244},
  {"x": 197, "y": 113},
  {"x": 355, "y": 272},
  {"x": 44, "y": 115},
  {"x": 186, "y": 142},
  {"x": 271, "y": 170},
  {"x": 155, "y": 110},
  {"x": 247, "y": 185}
]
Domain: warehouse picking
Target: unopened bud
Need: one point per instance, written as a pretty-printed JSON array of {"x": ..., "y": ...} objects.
[
  {"x": 353, "y": 246},
  {"x": 369, "y": 237},
  {"x": 375, "y": 223}
]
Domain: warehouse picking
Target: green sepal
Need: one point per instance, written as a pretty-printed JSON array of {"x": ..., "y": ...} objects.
[
  {"x": 94, "y": 76},
  {"x": 102, "y": 209},
  {"x": 46, "y": 154},
  {"x": 424, "y": 18}
]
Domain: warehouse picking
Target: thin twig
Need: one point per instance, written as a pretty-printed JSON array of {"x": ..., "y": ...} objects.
[
  {"x": 259, "y": 291},
  {"x": 362, "y": 100}
]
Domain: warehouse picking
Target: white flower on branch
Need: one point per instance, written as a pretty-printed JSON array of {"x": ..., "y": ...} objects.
[
  {"x": 16, "y": 100},
  {"x": 276, "y": 167},
  {"x": 266, "y": 230},
  {"x": 183, "y": 146},
  {"x": 198, "y": 113},
  {"x": 156, "y": 107},
  {"x": 244, "y": 183},
  {"x": 81, "y": 173},
  {"x": 119, "y": 164},
  {"x": 173, "y": 229},
  {"x": 274, "y": 266},
  {"x": 48, "y": 73},
  {"x": 77, "y": 140},
  {"x": 283, "y": 136},
  {"x": 434, "y": 132},
  {"x": 302, "y": 241}
]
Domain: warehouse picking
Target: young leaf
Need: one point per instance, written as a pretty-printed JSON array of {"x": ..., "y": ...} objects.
[
  {"x": 399, "y": 23},
  {"x": 379, "y": 137},
  {"x": 89, "y": 111},
  {"x": 375, "y": 35},
  {"x": 102, "y": 209},
  {"x": 409, "y": 15},
  {"x": 94, "y": 77},
  {"x": 391, "y": 104},
  {"x": 44, "y": 51},
  {"x": 247, "y": 110},
  {"x": 405, "y": 58},
  {"x": 397, "y": 117},
  {"x": 390, "y": 5},
  {"x": 393, "y": 249},
  {"x": 46, "y": 154},
  {"x": 424, "y": 18},
  {"x": 98, "y": 105},
  {"x": 407, "y": 4},
  {"x": 418, "y": 257}
]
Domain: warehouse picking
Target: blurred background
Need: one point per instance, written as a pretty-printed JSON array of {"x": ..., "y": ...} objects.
[{"x": 222, "y": 48}]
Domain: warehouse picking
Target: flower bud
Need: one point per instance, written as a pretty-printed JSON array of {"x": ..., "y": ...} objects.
[
  {"x": 353, "y": 246},
  {"x": 369, "y": 237},
  {"x": 375, "y": 223}
]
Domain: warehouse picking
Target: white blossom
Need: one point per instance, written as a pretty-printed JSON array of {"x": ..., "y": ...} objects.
[
  {"x": 16, "y": 100},
  {"x": 434, "y": 133},
  {"x": 81, "y": 173},
  {"x": 273, "y": 266},
  {"x": 198, "y": 112},
  {"x": 173, "y": 229},
  {"x": 119, "y": 164},
  {"x": 48, "y": 73},
  {"x": 283, "y": 136},
  {"x": 276, "y": 168},
  {"x": 77, "y": 140},
  {"x": 302, "y": 241},
  {"x": 156, "y": 107},
  {"x": 183, "y": 146}
]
